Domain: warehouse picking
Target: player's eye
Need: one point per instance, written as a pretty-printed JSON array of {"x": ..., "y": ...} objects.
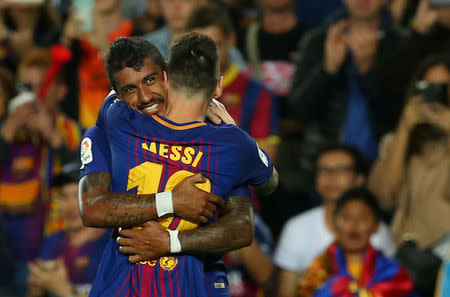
[
  {"x": 129, "y": 89},
  {"x": 149, "y": 80}
]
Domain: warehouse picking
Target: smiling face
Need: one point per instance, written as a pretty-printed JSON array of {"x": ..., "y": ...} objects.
[
  {"x": 354, "y": 224},
  {"x": 142, "y": 89},
  {"x": 336, "y": 173}
]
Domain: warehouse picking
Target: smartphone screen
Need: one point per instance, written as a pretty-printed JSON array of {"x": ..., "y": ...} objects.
[
  {"x": 83, "y": 12},
  {"x": 433, "y": 92}
]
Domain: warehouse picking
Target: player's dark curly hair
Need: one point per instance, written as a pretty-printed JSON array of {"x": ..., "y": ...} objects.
[
  {"x": 194, "y": 64},
  {"x": 359, "y": 194},
  {"x": 130, "y": 52}
]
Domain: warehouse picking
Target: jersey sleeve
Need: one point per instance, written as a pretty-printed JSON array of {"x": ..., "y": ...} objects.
[
  {"x": 110, "y": 99},
  {"x": 95, "y": 152},
  {"x": 242, "y": 190},
  {"x": 255, "y": 164}
]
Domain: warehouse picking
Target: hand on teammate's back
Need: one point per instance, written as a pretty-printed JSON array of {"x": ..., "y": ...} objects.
[
  {"x": 193, "y": 204},
  {"x": 217, "y": 113},
  {"x": 148, "y": 242}
]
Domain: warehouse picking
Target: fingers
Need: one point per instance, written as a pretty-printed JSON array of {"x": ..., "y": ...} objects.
[
  {"x": 217, "y": 200},
  {"x": 127, "y": 249},
  {"x": 122, "y": 241},
  {"x": 133, "y": 259},
  {"x": 203, "y": 220},
  {"x": 197, "y": 178},
  {"x": 207, "y": 214},
  {"x": 211, "y": 207}
]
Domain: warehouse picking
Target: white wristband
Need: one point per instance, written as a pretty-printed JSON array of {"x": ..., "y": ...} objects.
[
  {"x": 175, "y": 244},
  {"x": 164, "y": 203}
]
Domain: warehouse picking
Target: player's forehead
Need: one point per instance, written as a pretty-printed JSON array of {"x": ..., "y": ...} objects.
[{"x": 133, "y": 75}]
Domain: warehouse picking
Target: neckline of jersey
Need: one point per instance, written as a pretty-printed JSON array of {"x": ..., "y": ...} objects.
[{"x": 177, "y": 126}]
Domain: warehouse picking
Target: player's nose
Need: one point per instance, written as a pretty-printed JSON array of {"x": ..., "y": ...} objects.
[{"x": 143, "y": 96}]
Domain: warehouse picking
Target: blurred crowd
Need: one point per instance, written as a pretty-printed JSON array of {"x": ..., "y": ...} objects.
[{"x": 350, "y": 98}]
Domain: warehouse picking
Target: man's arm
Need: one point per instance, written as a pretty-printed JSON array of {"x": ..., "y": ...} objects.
[
  {"x": 269, "y": 186},
  {"x": 101, "y": 208},
  {"x": 233, "y": 230}
]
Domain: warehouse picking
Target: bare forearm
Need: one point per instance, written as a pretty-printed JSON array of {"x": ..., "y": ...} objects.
[
  {"x": 268, "y": 187},
  {"x": 388, "y": 173},
  {"x": 233, "y": 230},
  {"x": 99, "y": 207},
  {"x": 258, "y": 263}
]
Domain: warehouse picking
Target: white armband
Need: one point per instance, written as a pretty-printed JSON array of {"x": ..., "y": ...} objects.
[
  {"x": 164, "y": 203},
  {"x": 175, "y": 244}
]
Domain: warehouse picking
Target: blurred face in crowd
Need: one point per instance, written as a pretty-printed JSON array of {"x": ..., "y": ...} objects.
[
  {"x": 364, "y": 9},
  {"x": 277, "y": 4},
  {"x": 106, "y": 6},
  {"x": 224, "y": 43},
  {"x": 68, "y": 206},
  {"x": 35, "y": 76},
  {"x": 355, "y": 223},
  {"x": 143, "y": 90},
  {"x": 438, "y": 74},
  {"x": 335, "y": 175},
  {"x": 23, "y": 12},
  {"x": 177, "y": 12}
]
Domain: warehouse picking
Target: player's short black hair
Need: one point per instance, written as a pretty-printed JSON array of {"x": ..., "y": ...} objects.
[
  {"x": 211, "y": 15},
  {"x": 194, "y": 64},
  {"x": 358, "y": 160},
  {"x": 359, "y": 194},
  {"x": 130, "y": 52}
]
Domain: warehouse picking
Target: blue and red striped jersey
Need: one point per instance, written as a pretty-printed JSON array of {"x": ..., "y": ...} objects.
[{"x": 152, "y": 154}]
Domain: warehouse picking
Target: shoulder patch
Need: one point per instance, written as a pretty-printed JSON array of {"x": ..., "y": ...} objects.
[
  {"x": 86, "y": 151},
  {"x": 263, "y": 157}
]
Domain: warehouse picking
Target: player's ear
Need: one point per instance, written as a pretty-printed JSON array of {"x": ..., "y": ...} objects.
[
  {"x": 219, "y": 88},
  {"x": 166, "y": 79}
]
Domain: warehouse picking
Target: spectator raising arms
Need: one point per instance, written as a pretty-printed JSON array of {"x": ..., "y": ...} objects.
[
  {"x": 336, "y": 90},
  {"x": 411, "y": 177}
]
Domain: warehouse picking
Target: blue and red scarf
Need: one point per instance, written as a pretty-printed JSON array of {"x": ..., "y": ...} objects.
[{"x": 380, "y": 277}]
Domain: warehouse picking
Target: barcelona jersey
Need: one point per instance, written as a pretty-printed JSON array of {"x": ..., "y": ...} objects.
[{"x": 152, "y": 154}]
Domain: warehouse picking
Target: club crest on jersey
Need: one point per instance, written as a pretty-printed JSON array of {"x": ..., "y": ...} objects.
[
  {"x": 86, "y": 151},
  {"x": 168, "y": 263}
]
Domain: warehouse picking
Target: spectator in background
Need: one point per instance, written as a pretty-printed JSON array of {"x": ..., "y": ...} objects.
[
  {"x": 69, "y": 259},
  {"x": 87, "y": 76},
  {"x": 151, "y": 20},
  {"x": 268, "y": 46},
  {"x": 336, "y": 91},
  {"x": 351, "y": 266},
  {"x": 412, "y": 176},
  {"x": 430, "y": 35},
  {"x": 6, "y": 90},
  {"x": 32, "y": 139},
  {"x": 176, "y": 14},
  {"x": 338, "y": 168},
  {"x": 25, "y": 24},
  {"x": 249, "y": 102}
]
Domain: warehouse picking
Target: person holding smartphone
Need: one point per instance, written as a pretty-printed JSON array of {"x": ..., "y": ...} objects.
[{"x": 412, "y": 176}]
